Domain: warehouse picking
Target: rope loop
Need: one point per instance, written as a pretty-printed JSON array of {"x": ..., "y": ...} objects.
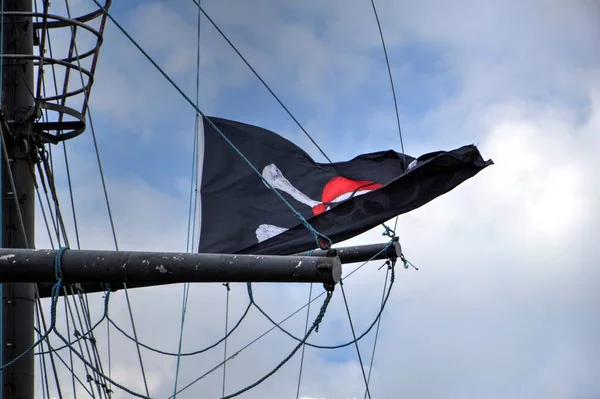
[{"x": 388, "y": 231}]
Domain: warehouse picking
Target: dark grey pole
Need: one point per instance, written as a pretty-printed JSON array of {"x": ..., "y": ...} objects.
[
  {"x": 17, "y": 100},
  {"x": 362, "y": 253},
  {"x": 82, "y": 266}
]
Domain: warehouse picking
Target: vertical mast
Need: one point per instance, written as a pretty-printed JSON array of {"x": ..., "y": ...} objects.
[{"x": 17, "y": 104}]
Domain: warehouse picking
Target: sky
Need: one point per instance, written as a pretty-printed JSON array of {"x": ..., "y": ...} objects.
[{"x": 503, "y": 304}]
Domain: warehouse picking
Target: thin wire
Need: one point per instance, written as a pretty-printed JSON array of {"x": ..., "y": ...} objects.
[
  {"x": 362, "y": 367},
  {"x": 303, "y": 346},
  {"x": 389, "y": 69},
  {"x": 377, "y": 331},
  {"x": 297, "y": 214},
  {"x": 43, "y": 368},
  {"x": 197, "y": 3},
  {"x": 193, "y": 183},
  {"x": 186, "y": 292},
  {"x": 387, "y": 61},
  {"x": 225, "y": 343},
  {"x": 70, "y": 354},
  {"x": 41, "y": 321}
]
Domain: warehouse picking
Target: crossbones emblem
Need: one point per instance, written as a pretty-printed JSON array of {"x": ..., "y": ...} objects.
[{"x": 337, "y": 189}]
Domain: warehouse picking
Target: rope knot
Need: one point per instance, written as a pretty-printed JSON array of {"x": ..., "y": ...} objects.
[
  {"x": 388, "y": 231},
  {"x": 58, "y": 274}
]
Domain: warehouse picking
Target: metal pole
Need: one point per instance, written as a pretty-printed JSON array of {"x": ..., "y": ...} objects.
[
  {"x": 360, "y": 253},
  {"x": 17, "y": 231},
  {"x": 85, "y": 266}
]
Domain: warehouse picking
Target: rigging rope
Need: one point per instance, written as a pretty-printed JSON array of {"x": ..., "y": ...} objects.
[
  {"x": 225, "y": 344},
  {"x": 362, "y": 367},
  {"x": 389, "y": 267},
  {"x": 304, "y": 345},
  {"x": 397, "y": 111},
  {"x": 387, "y": 61},
  {"x": 186, "y": 291}
]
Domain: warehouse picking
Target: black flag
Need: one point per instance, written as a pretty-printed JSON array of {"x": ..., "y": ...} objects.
[{"x": 239, "y": 213}]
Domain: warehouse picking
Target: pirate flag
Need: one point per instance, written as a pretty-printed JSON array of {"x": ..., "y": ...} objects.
[{"x": 240, "y": 213}]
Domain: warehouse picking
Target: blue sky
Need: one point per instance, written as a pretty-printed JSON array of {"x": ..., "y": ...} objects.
[{"x": 503, "y": 304}]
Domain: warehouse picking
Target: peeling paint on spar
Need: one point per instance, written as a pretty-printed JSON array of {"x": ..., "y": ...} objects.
[
  {"x": 179, "y": 257},
  {"x": 161, "y": 269},
  {"x": 145, "y": 262},
  {"x": 7, "y": 257},
  {"x": 298, "y": 265}
]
